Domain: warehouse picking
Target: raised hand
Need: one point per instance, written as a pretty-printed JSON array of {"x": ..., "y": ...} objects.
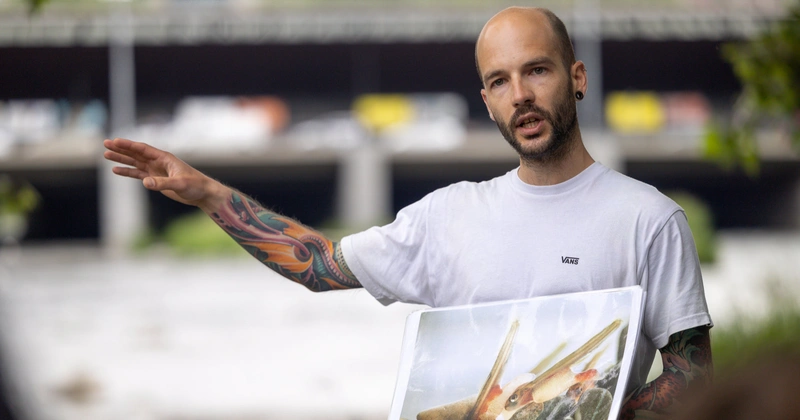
[
  {"x": 294, "y": 251},
  {"x": 162, "y": 171}
]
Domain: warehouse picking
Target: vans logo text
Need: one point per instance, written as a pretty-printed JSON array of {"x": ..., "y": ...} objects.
[{"x": 569, "y": 260}]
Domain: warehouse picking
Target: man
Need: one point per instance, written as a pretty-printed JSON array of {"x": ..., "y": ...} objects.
[{"x": 504, "y": 238}]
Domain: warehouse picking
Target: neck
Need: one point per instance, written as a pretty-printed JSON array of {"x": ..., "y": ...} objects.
[{"x": 555, "y": 172}]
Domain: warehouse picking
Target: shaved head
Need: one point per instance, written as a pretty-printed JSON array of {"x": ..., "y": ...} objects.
[{"x": 557, "y": 28}]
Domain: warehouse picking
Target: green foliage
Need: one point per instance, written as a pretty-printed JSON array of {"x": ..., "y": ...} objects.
[
  {"x": 768, "y": 67},
  {"x": 195, "y": 234},
  {"x": 744, "y": 339},
  {"x": 17, "y": 198},
  {"x": 35, "y": 5},
  {"x": 732, "y": 147},
  {"x": 701, "y": 222}
]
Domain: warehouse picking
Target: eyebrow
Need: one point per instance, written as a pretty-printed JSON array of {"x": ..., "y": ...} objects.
[{"x": 530, "y": 63}]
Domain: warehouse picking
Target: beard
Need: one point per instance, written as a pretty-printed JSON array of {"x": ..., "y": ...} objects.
[{"x": 563, "y": 121}]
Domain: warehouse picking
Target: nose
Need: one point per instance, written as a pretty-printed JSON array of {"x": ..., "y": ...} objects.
[{"x": 523, "y": 94}]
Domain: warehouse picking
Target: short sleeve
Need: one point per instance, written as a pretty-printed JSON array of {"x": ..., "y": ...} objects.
[
  {"x": 675, "y": 299},
  {"x": 390, "y": 261}
]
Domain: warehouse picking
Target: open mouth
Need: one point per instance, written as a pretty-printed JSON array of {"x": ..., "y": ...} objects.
[{"x": 529, "y": 123}]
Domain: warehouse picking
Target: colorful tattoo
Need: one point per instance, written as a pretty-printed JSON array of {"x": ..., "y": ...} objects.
[
  {"x": 292, "y": 250},
  {"x": 687, "y": 364}
]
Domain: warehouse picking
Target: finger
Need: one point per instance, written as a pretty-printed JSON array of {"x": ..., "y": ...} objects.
[
  {"x": 142, "y": 149},
  {"x": 135, "y": 149},
  {"x": 125, "y": 160},
  {"x": 118, "y": 145},
  {"x": 129, "y": 172},
  {"x": 109, "y": 144},
  {"x": 122, "y": 148}
]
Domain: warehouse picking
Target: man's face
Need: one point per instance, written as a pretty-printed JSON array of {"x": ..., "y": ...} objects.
[
  {"x": 562, "y": 120},
  {"x": 528, "y": 91}
]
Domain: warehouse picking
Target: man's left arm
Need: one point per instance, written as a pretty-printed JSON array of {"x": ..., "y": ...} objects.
[{"x": 687, "y": 365}]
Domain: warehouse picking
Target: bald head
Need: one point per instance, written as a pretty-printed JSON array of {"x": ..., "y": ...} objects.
[{"x": 532, "y": 16}]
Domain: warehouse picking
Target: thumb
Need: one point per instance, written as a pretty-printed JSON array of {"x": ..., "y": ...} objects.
[{"x": 158, "y": 183}]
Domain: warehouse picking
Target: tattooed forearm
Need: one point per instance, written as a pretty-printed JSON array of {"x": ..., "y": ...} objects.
[
  {"x": 687, "y": 364},
  {"x": 292, "y": 250}
]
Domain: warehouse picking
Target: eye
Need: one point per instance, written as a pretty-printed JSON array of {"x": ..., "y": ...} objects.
[
  {"x": 512, "y": 399},
  {"x": 538, "y": 70},
  {"x": 497, "y": 82}
]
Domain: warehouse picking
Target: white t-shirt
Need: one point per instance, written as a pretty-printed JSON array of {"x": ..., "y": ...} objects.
[{"x": 504, "y": 239}]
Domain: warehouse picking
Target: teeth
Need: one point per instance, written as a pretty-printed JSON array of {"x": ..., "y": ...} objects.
[{"x": 529, "y": 122}]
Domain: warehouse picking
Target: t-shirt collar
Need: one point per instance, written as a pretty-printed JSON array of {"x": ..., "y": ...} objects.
[{"x": 592, "y": 171}]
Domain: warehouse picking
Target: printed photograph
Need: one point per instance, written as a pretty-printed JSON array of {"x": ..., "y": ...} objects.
[{"x": 556, "y": 357}]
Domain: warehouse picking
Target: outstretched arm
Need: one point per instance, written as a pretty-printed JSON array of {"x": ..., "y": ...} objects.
[
  {"x": 293, "y": 250},
  {"x": 687, "y": 365}
]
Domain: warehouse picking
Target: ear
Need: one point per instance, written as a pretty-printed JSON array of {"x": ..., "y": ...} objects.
[
  {"x": 579, "y": 80},
  {"x": 483, "y": 95}
]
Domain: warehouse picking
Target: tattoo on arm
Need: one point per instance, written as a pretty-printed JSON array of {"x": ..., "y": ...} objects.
[
  {"x": 294, "y": 251},
  {"x": 687, "y": 364}
]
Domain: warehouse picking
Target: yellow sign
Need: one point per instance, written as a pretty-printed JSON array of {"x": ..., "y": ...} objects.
[
  {"x": 635, "y": 112},
  {"x": 379, "y": 111}
]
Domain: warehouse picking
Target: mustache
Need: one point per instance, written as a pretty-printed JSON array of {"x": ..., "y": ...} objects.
[{"x": 526, "y": 109}]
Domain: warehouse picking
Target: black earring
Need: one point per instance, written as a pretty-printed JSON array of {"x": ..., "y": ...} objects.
[{"x": 579, "y": 95}]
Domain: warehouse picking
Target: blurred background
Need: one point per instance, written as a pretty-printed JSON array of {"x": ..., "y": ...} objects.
[{"x": 120, "y": 304}]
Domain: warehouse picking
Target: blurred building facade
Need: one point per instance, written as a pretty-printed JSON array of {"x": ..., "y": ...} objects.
[{"x": 77, "y": 72}]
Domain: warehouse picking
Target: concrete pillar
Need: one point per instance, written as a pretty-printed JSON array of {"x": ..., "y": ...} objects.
[
  {"x": 364, "y": 190},
  {"x": 123, "y": 201},
  {"x": 587, "y": 40},
  {"x": 365, "y": 187}
]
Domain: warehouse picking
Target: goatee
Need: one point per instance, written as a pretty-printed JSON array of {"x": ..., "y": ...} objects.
[{"x": 563, "y": 121}]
